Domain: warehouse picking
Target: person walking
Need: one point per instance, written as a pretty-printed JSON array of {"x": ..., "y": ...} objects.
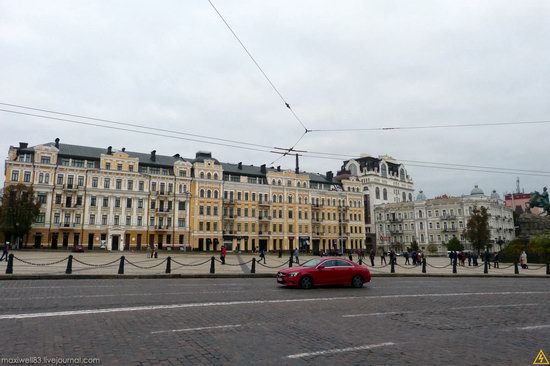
[
  {"x": 469, "y": 256},
  {"x": 156, "y": 251},
  {"x": 496, "y": 263},
  {"x": 262, "y": 255},
  {"x": 350, "y": 255},
  {"x": 392, "y": 257},
  {"x": 372, "y": 254},
  {"x": 406, "y": 255},
  {"x": 148, "y": 250},
  {"x": 383, "y": 257},
  {"x": 413, "y": 255},
  {"x": 523, "y": 260},
  {"x": 296, "y": 253},
  {"x": 223, "y": 253},
  {"x": 5, "y": 251},
  {"x": 488, "y": 258}
]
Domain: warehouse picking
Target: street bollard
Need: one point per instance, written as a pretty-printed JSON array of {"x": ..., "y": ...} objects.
[
  {"x": 454, "y": 265},
  {"x": 516, "y": 269},
  {"x": 423, "y": 265},
  {"x": 280, "y": 253},
  {"x": 9, "y": 268},
  {"x": 168, "y": 265},
  {"x": 548, "y": 268},
  {"x": 290, "y": 262},
  {"x": 486, "y": 266},
  {"x": 69, "y": 269},
  {"x": 360, "y": 261},
  {"x": 253, "y": 269},
  {"x": 121, "y": 265},
  {"x": 392, "y": 264},
  {"x": 212, "y": 265}
]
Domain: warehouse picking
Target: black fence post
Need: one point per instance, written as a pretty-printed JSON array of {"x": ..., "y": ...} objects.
[
  {"x": 360, "y": 261},
  {"x": 69, "y": 269},
  {"x": 486, "y": 266},
  {"x": 9, "y": 268},
  {"x": 290, "y": 262},
  {"x": 253, "y": 269},
  {"x": 548, "y": 268},
  {"x": 423, "y": 265},
  {"x": 392, "y": 266},
  {"x": 121, "y": 265},
  {"x": 454, "y": 265},
  {"x": 168, "y": 265},
  {"x": 516, "y": 269},
  {"x": 212, "y": 265}
]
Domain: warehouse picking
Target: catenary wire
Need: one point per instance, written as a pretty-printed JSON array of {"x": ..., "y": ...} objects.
[
  {"x": 258, "y": 66},
  {"x": 446, "y": 166}
]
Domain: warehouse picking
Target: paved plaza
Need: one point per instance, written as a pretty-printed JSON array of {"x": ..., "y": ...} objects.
[
  {"x": 243, "y": 321},
  {"x": 104, "y": 263}
]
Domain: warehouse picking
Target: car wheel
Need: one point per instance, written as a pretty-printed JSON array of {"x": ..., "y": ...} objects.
[
  {"x": 306, "y": 282},
  {"x": 357, "y": 282}
]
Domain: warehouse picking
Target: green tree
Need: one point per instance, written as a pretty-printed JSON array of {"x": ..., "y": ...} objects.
[
  {"x": 477, "y": 229},
  {"x": 540, "y": 245},
  {"x": 454, "y": 244},
  {"x": 18, "y": 211},
  {"x": 432, "y": 248},
  {"x": 414, "y": 246}
]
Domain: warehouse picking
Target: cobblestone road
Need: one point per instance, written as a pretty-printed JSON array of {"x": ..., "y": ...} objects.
[{"x": 392, "y": 321}]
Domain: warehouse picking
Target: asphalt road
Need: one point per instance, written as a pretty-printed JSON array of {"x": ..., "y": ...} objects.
[{"x": 392, "y": 321}]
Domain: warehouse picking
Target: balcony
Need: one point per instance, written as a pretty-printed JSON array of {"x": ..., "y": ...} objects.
[
  {"x": 163, "y": 210},
  {"x": 264, "y": 218},
  {"x": 448, "y": 217},
  {"x": 450, "y": 230},
  {"x": 396, "y": 231},
  {"x": 263, "y": 203},
  {"x": 395, "y": 219},
  {"x": 228, "y": 201}
]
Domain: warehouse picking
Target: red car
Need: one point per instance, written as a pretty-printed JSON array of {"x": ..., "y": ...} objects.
[{"x": 325, "y": 271}]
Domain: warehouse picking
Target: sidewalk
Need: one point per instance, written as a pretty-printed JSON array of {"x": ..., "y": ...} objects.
[{"x": 45, "y": 264}]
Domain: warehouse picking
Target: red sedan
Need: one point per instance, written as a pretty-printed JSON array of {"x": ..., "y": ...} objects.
[{"x": 325, "y": 271}]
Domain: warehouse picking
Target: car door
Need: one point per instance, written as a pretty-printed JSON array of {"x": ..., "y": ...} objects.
[
  {"x": 343, "y": 272},
  {"x": 324, "y": 273}
]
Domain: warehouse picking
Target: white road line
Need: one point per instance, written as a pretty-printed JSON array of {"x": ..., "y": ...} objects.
[
  {"x": 253, "y": 302},
  {"x": 379, "y": 314},
  {"x": 117, "y": 295},
  {"x": 127, "y": 282},
  {"x": 341, "y": 350},
  {"x": 491, "y": 306},
  {"x": 196, "y": 329},
  {"x": 532, "y": 327}
]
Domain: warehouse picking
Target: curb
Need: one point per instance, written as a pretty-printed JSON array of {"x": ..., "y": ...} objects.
[{"x": 238, "y": 275}]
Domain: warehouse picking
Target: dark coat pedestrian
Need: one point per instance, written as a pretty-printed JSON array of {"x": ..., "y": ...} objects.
[
  {"x": 496, "y": 262},
  {"x": 469, "y": 256},
  {"x": 383, "y": 257},
  {"x": 262, "y": 255},
  {"x": 5, "y": 251},
  {"x": 406, "y": 255},
  {"x": 372, "y": 255}
]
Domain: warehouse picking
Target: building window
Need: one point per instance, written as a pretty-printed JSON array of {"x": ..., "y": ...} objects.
[
  {"x": 117, "y": 202},
  {"x": 181, "y": 222},
  {"x": 41, "y": 218},
  {"x": 119, "y": 167},
  {"x": 119, "y": 184},
  {"x": 45, "y": 160},
  {"x": 128, "y": 220},
  {"x": 92, "y": 219},
  {"x": 385, "y": 194},
  {"x": 128, "y": 203},
  {"x": 130, "y": 185},
  {"x": 104, "y": 220},
  {"x": 60, "y": 179},
  {"x": 106, "y": 183},
  {"x": 377, "y": 193},
  {"x": 94, "y": 182},
  {"x": 139, "y": 221},
  {"x": 117, "y": 220},
  {"x": 141, "y": 186},
  {"x": 42, "y": 198},
  {"x": 105, "y": 202},
  {"x": 140, "y": 203}
]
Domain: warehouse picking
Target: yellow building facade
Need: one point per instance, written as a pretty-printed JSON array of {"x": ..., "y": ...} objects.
[{"x": 120, "y": 200}]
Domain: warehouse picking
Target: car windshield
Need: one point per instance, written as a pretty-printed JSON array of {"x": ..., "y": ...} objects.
[{"x": 311, "y": 263}]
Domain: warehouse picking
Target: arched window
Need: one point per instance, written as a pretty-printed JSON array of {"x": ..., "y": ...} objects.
[
  {"x": 377, "y": 193},
  {"x": 201, "y": 193},
  {"x": 209, "y": 176},
  {"x": 299, "y": 200},
  {"x": 279, "y": 182},
  {"x": 410, "y": 197},
  {"x": 273, "y": 182},
  {"x": 385, "y": 194},
  {"x": 289, "y": 199},
  {"x": 201, "y": 175},
  {"x": 274, "y": 198},
  {"x": 209, "y": 194},
  {"x": 289, "y": 183},
  {"x": 402, "y": 174},
  {"x": 419, "y": 214},
  {"x": 298, "y": 184},
  {"x": 280, "y": 198},
  {"x": 215, "y": 176},
  {"x": 305, "y": 200},
  {"x": 404, "y": 197},
  {"x": 384, "y": 170},
  {"x": 353, "y": 169},
  {"x": 216, "y": 194},
  {"x": 334, "y": 201}
]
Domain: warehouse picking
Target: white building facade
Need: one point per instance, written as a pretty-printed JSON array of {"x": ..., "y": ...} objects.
[{"x": 436, "y": 221}]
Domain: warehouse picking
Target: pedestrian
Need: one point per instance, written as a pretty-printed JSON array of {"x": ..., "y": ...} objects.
[
  {"x": 474, "y": 259},
  {"x": 383, "y": 257},
  {"x": 451, "y": 256},
  {"x": 350, "y": 255},
  {"x": 406, "y": 255},
  {"x": 149, "y": 251},
  {"x": 488, "y": 258},
  {"x": 392, "y": 256},
  {"x": 223, "y": 253},
  {"x": 496, "y": 263},
  {"x": 523, "y": 260},
  {"x": 280, "y": 252},
  {"x": 469, "y": 256},
  {"x": 262, "y": 255},
  {"x": 372, "y": 254},
  {"x": 296, "y": 253},
  {"x": 413, "y": 255},
  {"x": 156, "y": 251},
  {"x": 5, "y": 251}
]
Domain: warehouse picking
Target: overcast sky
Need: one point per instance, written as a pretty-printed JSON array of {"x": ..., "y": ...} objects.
[{"x": 174, "y": 65}]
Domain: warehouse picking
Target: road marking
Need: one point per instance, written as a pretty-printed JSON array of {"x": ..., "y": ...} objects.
[
  {"x": 118, "y": 295},
  {"x": 341, "y": 350},
  {"x": 532, "y": 327},
  {"x": 379, "y": 314},
  {"x": 491, "y": 306},
  {"x": 195, "y": 329},
  {"x": 252, "y": 302},
  {"x": 135, "y": 283}
]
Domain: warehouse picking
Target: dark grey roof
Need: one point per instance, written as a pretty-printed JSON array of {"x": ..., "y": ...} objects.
[{"x": 248, "y": 170}]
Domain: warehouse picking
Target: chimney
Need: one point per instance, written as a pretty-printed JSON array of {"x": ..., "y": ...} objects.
[
  {"x": 177, "y": 156},
  {"x": 263, "y": 169},
  {"x": 329, "y": 175},
  {"x": 297, "y": 165},
  {"x": 110, "y": 150},
  {"x": 278, "y": 168},
  {"x": 154, "y": 155},
  {"x": 240, "y": 165},
  {"x": 23, "y": 145},
  {"x": 123, "y": 149},
  {"x": 57, "y": 142}
]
